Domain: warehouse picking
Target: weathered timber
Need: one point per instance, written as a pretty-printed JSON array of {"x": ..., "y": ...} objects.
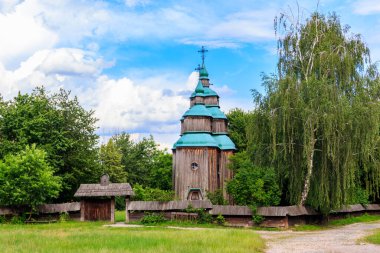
[
  {"x": 211, "y": 100},
  {"x": 196, "y": 124},
  {"x": 219, "y": 126},
  {"x": 186, "y": 178},
  {"x": 168, "y": 206}
]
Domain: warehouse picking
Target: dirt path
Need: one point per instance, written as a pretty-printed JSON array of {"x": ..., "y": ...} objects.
[{"x": 343, "y": 239}]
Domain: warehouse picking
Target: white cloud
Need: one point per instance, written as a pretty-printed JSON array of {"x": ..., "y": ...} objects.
[
  {"x": 366, "y": 7},
  {"x": 21, "y": 35},
  {"x": 134, "y": 3},
  {"x": 8, "y": 5}
]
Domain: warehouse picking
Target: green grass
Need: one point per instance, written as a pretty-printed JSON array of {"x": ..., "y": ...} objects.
[
  {"x": 94, "y": 237},
  {"x": 350, "y": 220},
  {"x": 374, "y": 238},
  {"x": 341, "y": 222}
]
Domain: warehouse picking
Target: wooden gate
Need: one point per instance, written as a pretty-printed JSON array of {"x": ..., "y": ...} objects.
[{"x": 97, "y": 209}]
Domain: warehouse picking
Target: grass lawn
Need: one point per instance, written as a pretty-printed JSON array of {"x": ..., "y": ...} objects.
[
  {"x": 374, "y": 238},
  {"x": 340, "y": 222},
  {"x": 94, "y": 237}
]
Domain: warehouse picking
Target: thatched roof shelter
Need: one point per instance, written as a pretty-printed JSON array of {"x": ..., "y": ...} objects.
[
  {"x": 98, "y": 190},
  {"x": 231, "y": 210},
  {"x": 285, "y": 211},
  {"x": 350, "y": 209},
  {"x": 59, "y": 208},
  {"x": 170, "y": 205},
  {"x": 372, "y": 207},
  {"x": 104, "y": 189}
]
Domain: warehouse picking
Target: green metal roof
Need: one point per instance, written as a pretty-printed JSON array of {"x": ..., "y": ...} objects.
[
  {"x": 198, "y": 110},
  {"x": 199, "y": 88},
  {"x": 196, "y": 140},
  {"x": 203, "y": 74},
  {"x": 216, "y": 112},
  {"x": 224, "y": 142},
  {"x": 207, "y": 92}
]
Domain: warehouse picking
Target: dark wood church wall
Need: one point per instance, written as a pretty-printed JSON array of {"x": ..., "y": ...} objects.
[
  {"x": 211, "y": 100},
  {"x": 191, "y": 124},
  {"x": 186, "y": 177},
  {"x": 196, "y": 100},
  {"x": 219, "y": 126},
  {"x": 225, "y": 173}
]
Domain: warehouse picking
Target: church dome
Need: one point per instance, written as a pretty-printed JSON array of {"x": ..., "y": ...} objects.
[
  {"x": 196, "y": 140},
  {"x": 198, "y": 110},
  {"x": 224, "y": 142},
  {"x": 216, "y": 112}
]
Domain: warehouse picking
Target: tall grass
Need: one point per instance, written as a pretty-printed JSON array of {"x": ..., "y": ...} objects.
[{"x": 93, "y": 237}]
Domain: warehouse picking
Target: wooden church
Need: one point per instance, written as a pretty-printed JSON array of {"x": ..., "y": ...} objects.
[{"x": 200, "y": 156}]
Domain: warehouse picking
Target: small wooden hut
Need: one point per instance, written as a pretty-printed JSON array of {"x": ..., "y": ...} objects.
[{"x": 98, "y": 200}]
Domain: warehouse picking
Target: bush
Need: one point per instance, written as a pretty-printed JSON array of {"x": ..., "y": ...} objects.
[
  {"x": 151, "y": 194},
  {"x": 257, "y": 219},
  {"x": 203, "y": 216},
  {"x": 253, "y": 185},
  {"x": 216, "y": 197},
  {"x": 220, "y": 220},
  {"x": 152, "y": 218},
  {"x": 18, "y": 219},
  {"x": 2, "y": 219},
  {"x": 63, "y": 217}
]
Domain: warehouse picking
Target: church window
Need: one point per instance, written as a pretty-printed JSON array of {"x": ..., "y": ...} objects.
[{"x": 194, "y": 166}]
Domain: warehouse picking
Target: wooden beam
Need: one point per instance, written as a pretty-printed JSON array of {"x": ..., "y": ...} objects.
[{"x": 127, "y": 201}]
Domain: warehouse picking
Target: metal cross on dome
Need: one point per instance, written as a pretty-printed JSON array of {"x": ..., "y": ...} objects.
[{"x": 203, "y": 51}]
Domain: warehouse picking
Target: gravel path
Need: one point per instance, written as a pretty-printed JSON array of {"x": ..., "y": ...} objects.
[{"x": 343, "y": 240}]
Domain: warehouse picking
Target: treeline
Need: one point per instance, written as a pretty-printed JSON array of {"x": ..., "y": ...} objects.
[
  {"x": 49, "y": 146},
  {"x": 313, "y": 137}
]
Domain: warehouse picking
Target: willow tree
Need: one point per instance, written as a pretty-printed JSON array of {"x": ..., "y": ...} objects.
[{"x": 318, "y": 123}]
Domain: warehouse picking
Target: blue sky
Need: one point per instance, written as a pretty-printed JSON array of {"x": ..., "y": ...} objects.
[{"x": 133, "y": 61}]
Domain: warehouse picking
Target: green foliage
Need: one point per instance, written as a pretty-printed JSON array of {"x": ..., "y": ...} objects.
[
  {"x": 110, "y": 159},
  {"x": 64, "y": 217},
  {"x": 18, "y": 219},
  {"x": 203, "y": 216},
  {"x": 237, "y": 127},
  {"x": 27, "y": 179},
  {"x": 257, "y": 219},
  {"x": 220, "y": 220},
  {"x": 3, "y": 219},
  {"x": 152, "y": 218},
  {"x": 60, "y": 126},
  {"x": 355, "y": 219},
  {"x": 144, "y": 163},
  {"x": 216, "y": 197},
  {"x": 318, "y": 124},
  {"x": 252, "y": 185},
  {"x": 151, "y": 194}
]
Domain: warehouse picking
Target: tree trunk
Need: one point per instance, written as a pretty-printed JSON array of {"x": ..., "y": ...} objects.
[{"x": 306, "y": 186}]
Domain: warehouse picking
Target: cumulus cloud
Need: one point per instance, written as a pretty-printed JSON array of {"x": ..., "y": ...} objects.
[{"x": 22, "y": 35}]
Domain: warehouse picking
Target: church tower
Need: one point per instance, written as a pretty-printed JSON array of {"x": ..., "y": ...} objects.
[{"x": 200, "y": 156}]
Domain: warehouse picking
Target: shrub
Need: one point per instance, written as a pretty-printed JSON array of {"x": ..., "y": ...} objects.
[
  {"x": 253, "y": 185},
  {"x": 216, "y": 197},
  {"x": 151, "y": 194},
  {"x": 2, "y": 219},
  {"x": 257, "y": 219},
  {"x": 63, "y": 217},
  {"x": 18, "y": 219},
  {"x": 220, "y": 219},
  {"x": 203, "y": 216},
  {"x": 152, "y": 218}
]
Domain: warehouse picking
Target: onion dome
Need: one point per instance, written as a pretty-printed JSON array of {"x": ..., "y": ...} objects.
[
  {"x": 198, "y": 110},
  {"x": 196, "y": 140},
  {"x": 224, "y": 142},
  {"x": 203, "y": 74}
]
